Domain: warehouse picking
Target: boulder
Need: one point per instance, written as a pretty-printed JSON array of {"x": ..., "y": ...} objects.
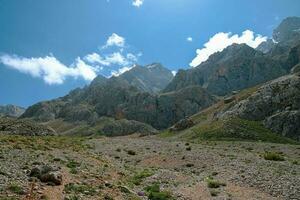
[
  {"x": 182, "y": 125},
  {"x": 47, "y": 174}
]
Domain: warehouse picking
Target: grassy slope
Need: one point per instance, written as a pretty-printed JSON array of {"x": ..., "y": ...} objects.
[{"x": 234, "y": 129}]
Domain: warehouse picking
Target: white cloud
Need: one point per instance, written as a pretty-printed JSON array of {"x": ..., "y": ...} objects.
[
  {"x": 222, "y": 40},
  {"x": 189, "y": 39},
  {"x": 121, "y": 71},
  {"x": 137, "y": 3},
  {"x": 115, "y": 40},
  {"x": 174, "y": 72},
  {"x": 96, "y": 58},
  {"x": 116, "y": 58},
  {"x": 51, "y": 70}
]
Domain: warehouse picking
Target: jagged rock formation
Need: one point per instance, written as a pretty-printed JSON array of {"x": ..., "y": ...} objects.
[
  {"x": 117, "y": 98},
  {"x": 11, "y": 111},
  {"x": 240, "y": 66},
  {"x": 14, "y": 126},
  {"x": 126, "y": 127},
  {"x": 276, "y": 103},
  {"x": 151, "y": 78},
  {"x": 235, "y": 68}
]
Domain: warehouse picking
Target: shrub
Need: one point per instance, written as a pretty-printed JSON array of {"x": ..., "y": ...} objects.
[
  {"x": 211, "y": 183},
  {"x": 138, "y": 178},
  {"x": 131, "y": 152},
  {"x": 16, "y": 189},
  {"x": 154, "y": 193},
  {"x": 273, "y": 156}
]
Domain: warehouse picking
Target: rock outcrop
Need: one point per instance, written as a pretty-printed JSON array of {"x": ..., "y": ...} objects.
[
  {"x": 11, "y": 111},
  {"x": 240, "y": 66},
  {"x": 118, "y": 99},
  {"x": 276, "y": 103},
  {"x": 23, "y": 127}
]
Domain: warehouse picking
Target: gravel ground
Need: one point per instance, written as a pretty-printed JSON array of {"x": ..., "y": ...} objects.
[{"x": 122, "y": 168}]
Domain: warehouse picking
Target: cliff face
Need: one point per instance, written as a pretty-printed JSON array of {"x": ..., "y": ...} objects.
[
  {"x": 11, "y": 111},
  {"x": 119, "y": 99},
  {"x": 240, "y": 66}
]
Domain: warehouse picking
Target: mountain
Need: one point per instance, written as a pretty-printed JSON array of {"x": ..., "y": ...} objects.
[
  {"x": 13, "y": 126},
  {"x": 240, "y": 66},
  {"x": 287, "y": 34},
  {"x": 276, "y": 103},
  {"x": 288, "y": 30},
  {"x": 118, "y": 98},
  {"x": 11, "y": 111},
  {"x": 151, "y": 78},
  {"x": 236, "y": 67}
]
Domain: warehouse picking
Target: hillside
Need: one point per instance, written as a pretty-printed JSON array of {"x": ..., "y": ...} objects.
[{"x": 11, "y": 111}]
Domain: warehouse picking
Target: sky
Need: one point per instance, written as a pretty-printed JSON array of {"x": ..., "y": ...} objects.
[{"x": 50, "y": 47}]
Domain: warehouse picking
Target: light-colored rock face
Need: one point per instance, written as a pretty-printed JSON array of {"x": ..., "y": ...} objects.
[
  {"x": 277, "y": 103},
  {"x": 11, "y": 111}
]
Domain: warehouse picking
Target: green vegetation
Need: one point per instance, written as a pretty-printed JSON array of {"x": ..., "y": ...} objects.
[
  {"x": 273, "y": 156},
  {"x": 235, "y": 129},
  {"x": 212, "y": 183},
  {"x": 80, "y": 189},
  {"x": 139, "y": 177},
  {"x": 73, "y": 166},
  {"x": 131, "y": 152},
  {"x": 15, "y": 188},
  {"x": 154, "y": 193},
  {"x": 45, "y": 143}
]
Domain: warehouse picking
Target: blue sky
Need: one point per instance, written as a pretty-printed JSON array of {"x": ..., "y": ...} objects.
[{"x": 61, "y": 35}]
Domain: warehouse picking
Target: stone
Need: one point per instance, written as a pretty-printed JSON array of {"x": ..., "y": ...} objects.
[{"x": 47, "y": 174}]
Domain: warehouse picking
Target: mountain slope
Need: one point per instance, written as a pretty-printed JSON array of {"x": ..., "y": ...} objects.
[
  {"x": 240, "y": 66},
  {"x": 11, "y": 111},
  {"x": 117, "y": 98},
  {"x": 151, "y": 78}
]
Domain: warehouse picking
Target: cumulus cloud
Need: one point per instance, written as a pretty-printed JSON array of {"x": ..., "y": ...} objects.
[
  {"x": 174, "y": 72},
  {"x": 222, "y": 40},
  {"x": 115, "y": 58},
  {"x": 115, "y": 40},
  {"x": 137, "y": 3},
  {"x": 189, "y": 39},
  {"x": 51, "y": 70}
]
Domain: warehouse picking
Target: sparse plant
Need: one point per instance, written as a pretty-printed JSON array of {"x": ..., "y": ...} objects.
[
  {"x": 131, "y": 152},
  {"x": 211, "y": 183},
  {"x": 154, "y": 193},
  {"x": 273, "y": 156}
]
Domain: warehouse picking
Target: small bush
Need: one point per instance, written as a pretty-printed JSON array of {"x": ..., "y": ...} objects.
[
  {"x": 154, "y": 193},
  {"x": 138, "y": 178},
  {"x": 80, "y": 189},
  {"x": 16, "y": 189},
  {"x": 273, "y": 156},
  {"x": 211, "y": 183},
  {"x": 131, "y": 152}
]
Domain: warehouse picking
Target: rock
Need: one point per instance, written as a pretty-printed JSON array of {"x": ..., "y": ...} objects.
[
  {"x": 229, "y": 99},
  {"x": 287, "y": 123},
  {"x": 182, "y": 125},
  {"x": 11, "y": 111},
  {"x": 296, "y": 69},
  {"x": 47, "y": 174},
  {"x": 277, "y": 103},
  {"x": 126, "y": 127},
  {"x": 24, "y": 127}
]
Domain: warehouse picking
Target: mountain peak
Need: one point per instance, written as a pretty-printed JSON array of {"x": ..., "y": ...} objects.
[{"x": 288, "y": 29}]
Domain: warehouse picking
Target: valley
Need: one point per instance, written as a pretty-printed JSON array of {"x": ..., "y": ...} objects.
[{"x": 126, "y": 167}]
